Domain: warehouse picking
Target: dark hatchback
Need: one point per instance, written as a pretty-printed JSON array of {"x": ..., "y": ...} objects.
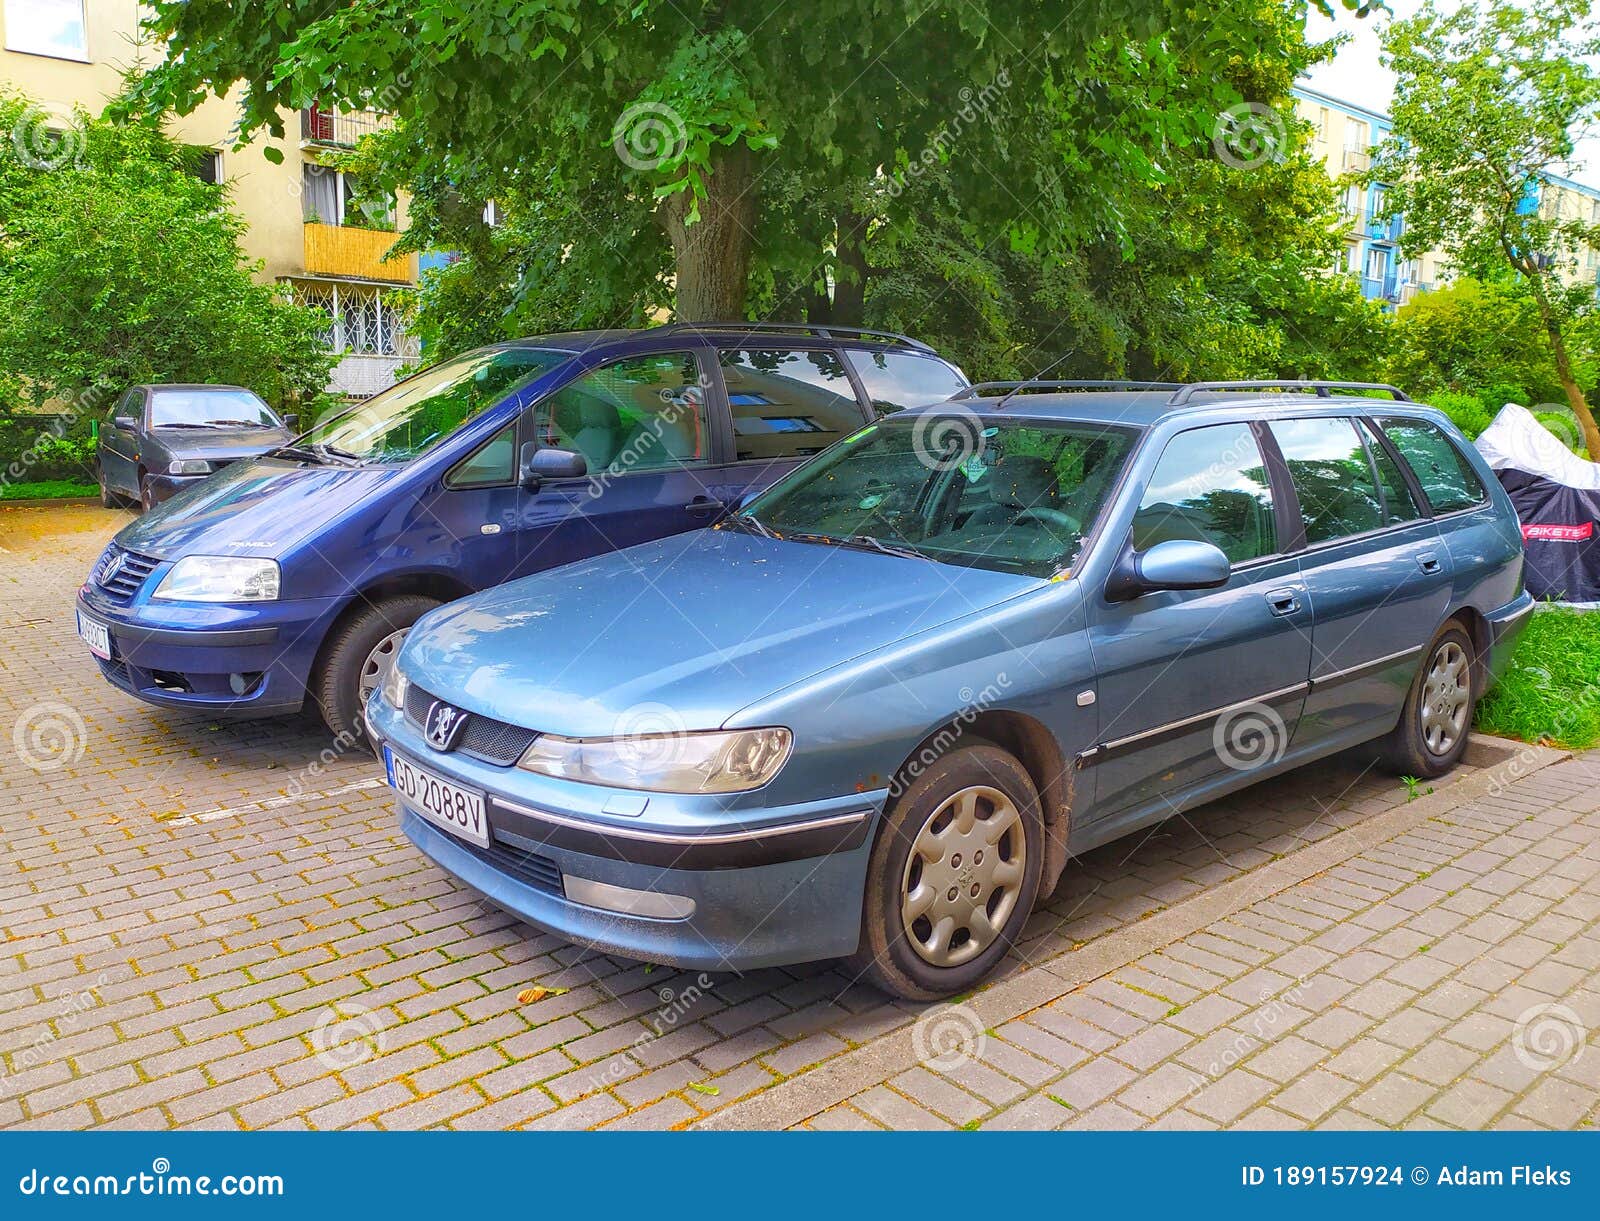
[
  {"x": 298, "y": 574},
  {"x": 159, "y": 439}
]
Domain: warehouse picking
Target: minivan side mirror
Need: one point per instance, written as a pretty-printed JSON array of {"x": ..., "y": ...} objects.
[
  {"x": 1178, "y": 563},
  {"x": 125, "y": 422},
  {"x": 539, "y": 464}
]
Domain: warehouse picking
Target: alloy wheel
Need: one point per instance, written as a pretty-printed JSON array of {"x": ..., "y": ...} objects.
[
  {"x": 963, "y": 876},
  {"x": 377, "y": 665},
  {"x": 1446, "y": 698}
]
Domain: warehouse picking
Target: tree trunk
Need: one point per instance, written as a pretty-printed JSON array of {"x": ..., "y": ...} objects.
[
  {"x": 850, "y": 284},
  {"x": 713, "y": 253},
  {"x": 1558, "y": 348}
]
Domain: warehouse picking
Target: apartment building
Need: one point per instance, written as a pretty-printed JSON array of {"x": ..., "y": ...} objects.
[
  {"x": 1343, "y": 138},
  {"x": 1561, "y": 199},
  {"x": 316, "y": 230}
]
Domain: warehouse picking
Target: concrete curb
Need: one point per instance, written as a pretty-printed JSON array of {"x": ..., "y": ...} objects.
[{"x": 799, "y": 1098}]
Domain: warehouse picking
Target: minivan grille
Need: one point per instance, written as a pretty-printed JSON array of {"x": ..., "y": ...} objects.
[
  {"x": 484, "y": 738},
  {"x": 120, "y": 573}
]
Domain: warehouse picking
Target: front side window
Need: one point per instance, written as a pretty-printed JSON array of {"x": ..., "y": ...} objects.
[
  {"x": 991, "y": 493},
  {"x": 210, "y": 409},
  {"x": 1332, "y": 477},
  {"x": 412, "y": 417},
  {"x": 1210, "y": 486},
  {"x": 641, "y": 414},
  {"x": 896, "y": 379},
  {"x": 786, "y": 402},
  {"x": 1447, "y": 481}
]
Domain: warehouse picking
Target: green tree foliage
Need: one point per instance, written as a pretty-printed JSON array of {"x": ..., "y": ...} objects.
[
  {"x": 118, "y": 265},
  {"x": 1487, "y": 101},
  {"x": 745, "y": 131}
]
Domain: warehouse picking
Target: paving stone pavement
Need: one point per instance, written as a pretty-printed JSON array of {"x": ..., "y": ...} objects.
[{"x": 219, "y": 925}]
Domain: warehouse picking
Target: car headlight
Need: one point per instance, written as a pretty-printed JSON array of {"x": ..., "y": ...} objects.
[
  {"x": 715, "y": 761},
  {"x": 394, "y": 686},
  {"x": 188, "y": 466},
  {"x": 220, "y": 578}
]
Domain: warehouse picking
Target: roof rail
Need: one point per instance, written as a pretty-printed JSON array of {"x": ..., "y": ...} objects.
[
  {"x": 1319, "y": 388},
  {"x": 824, "y": 331},
  {"x": 1074, "y": 384}
]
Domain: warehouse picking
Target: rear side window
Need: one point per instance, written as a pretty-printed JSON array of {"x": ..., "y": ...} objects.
[
  {"x": 1398, "y": 503},
  {"x": 897, "y": 379},
  {"x": 1211, "y": 486},
  {"x": 1335, "y": 482},
  {"x": 788, "y": 403},
  {"x": 1446, "y": 479}
]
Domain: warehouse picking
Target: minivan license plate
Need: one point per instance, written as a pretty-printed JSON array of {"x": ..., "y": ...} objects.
[
  {"x": 458, "y": 810},
  {"x": 96, "y": 635}
]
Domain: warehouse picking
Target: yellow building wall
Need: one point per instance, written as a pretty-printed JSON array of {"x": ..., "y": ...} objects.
[{"x": 267, "y": 196}]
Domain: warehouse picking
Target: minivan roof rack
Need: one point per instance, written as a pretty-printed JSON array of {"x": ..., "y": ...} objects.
[
  {"x": 1319, "y": 388},
  {"x": 1073, "y": 384},
  {"x": 822, "y": 331}
]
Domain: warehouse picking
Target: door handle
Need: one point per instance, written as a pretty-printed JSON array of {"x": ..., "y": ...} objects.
[
  {"x": 703, "y": 506},
  {"x": 1429, "y": 563},
  {"x": 1283, "y": 601}
]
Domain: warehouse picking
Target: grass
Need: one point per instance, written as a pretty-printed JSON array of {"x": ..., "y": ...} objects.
[
  {"x": 47, "y": 489},
  {"x": 1551, "y": 689}
]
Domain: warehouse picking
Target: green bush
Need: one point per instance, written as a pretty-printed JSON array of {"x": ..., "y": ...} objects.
[
  {"x": 1466, "y": 411},
  {"x": 1551, "y": 690}
]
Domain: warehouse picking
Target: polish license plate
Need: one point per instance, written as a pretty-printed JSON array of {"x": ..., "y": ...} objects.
[
  {"x": 96, "y": 635},
  {"x": 456, "y": 809}
]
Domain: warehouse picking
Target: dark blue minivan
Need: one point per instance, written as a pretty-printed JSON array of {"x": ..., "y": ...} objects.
[{"x": 297, "y": 575}]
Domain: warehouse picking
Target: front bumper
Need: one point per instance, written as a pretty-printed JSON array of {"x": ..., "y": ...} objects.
[
  {"x": 760, "y": 887},
  {"x": 227, "y": 661}
]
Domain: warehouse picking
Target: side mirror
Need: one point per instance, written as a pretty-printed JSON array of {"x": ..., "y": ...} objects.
[
  {"x": 125, "y": 422},
  {"x": 1175, "y": 564},
  {"x": 746, "y": 501},
  {"x": 539, "y": 464},
  {"x": 291, "y": 422}
]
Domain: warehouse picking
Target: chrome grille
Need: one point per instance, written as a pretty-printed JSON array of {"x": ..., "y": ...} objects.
[
  {"x": 120, "y": 573},
  {"x": 484, "y": 738}
]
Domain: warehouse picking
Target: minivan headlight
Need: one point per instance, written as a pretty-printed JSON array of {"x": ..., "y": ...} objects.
[
  {"x": 188, "y": 466},
  {"x": 220, "y": 578},
  {"x": 714, "y": 761}
]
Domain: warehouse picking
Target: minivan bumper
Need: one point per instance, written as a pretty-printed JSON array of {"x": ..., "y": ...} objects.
[
  {"x": 777, "y": 886},
  {"x": 224, "y": 660}
]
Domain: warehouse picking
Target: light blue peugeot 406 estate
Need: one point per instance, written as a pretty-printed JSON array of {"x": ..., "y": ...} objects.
[{"x": 873, "y": 712}]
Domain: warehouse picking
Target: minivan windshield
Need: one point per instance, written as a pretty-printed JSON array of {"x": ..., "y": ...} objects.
[
  {"x": 954, "y": 488},
  {"x": 411, "y": 418},
  {"x": 204, "y": 408}
]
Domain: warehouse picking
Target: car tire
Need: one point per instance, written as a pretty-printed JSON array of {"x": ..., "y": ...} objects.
[
  {"x": 1431, "y": 735},
  {"x": 108, "y": 498},
  {"x": 146, "y": 500},
  {"x": 363, "y": 641},
  {"x": 978, "y": 884}
]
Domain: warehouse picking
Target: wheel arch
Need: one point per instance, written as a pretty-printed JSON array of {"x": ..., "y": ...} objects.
[{"x": 430, "y": 584}]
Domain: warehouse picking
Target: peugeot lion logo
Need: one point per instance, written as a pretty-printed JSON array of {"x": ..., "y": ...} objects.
[{"x": 443, "y": 725}]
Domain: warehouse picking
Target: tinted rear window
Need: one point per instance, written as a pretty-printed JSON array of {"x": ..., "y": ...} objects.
[
  {"x": 895, "y": 379},
  {"x": 1447, "y": 480}
]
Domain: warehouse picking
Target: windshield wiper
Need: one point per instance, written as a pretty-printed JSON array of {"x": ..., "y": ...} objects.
[
  {"x": 877, "y": 544},
  {"x": 239, "y": 424},
  {"x": 302, "y": 453},
  {"x": 755, "y": 525},
  {"x": 333, "y": 451}
]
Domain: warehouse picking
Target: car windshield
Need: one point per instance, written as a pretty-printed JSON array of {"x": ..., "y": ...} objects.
[
  {"x": 193, "y": 408},
  {"x": 951, "y": 487},
  {"x": 411, "y": 418}
]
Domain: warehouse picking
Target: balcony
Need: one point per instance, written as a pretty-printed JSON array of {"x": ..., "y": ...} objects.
[
  {"x": 1356, "y": 160},
  {"x": 348, "y": 253},
  {"x": 330, "y": 128}
]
